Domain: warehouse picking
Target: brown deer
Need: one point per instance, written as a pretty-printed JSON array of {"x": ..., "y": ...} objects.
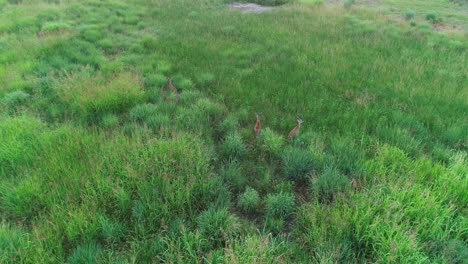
[
  {"x": 258, "y": 125},
  {"x": 296, "y": 130},
  {"x": 171, "y": 86}
]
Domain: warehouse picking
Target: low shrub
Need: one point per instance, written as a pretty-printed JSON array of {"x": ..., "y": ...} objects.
[
  {"x": 110, "y": 121},
  {"x": 433, "y": 18},
  {"x": 92, "y": 94},
  {"x": 329, "y": 184},
  {"x": 349, "y": 3},
  {"x": 410, "y": 14},
  {"x": 274, "y": 225},
  {"x": 86, "y": 253},
  {"x": 297, "y": 163},
  {"x": 232, "y": 175},
  {"x": 249, "y": 201},
  {"x": 233, "y": 146},
  {"x": 142, "y": 112},
  {"x": 217, "y": 226},
  {"x": 272, "y": 143},
  {"x": 280, "y": 205},
  {"x": 14, "y": 100}
]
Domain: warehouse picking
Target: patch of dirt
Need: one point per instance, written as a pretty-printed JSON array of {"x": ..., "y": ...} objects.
[{"x": 249, "y": 7}]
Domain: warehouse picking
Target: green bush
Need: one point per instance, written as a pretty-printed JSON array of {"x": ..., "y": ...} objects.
[
  {"x": 410, "y": 14},
  {"x": 14, "y": 100},
  {"x": 349, "y": 3},
  {"x": 297, "y": 163},
  {"x": 86, "y": 254},
  {"x": 110, "y": 121},
  {"x": 280, "y": 205},
  {"x": 14, "y": 244},
  {"x": 274, "y": 225},
  {"x": 233, "y": 146},
  {"x": 142, "y": 112},
  {"x": 91, "y": 94},
  {"x": 218, "y": 226},
  {"x": 233, "y": 176},
  {"x": 284, "y": 187},
  {"x": 158, "y": 121},
  {"x": 229, "y": 125},
  {"x": 329, "y": 184},
  {"x": 433, "y": 18},
  {"x": 249, "y": 201},
  {"x": 272, "y": 143}
]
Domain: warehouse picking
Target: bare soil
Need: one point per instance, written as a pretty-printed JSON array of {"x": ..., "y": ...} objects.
[{"x": 249, "y": 7}]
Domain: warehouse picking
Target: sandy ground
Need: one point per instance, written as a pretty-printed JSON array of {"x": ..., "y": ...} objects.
[{"x": 249, "y": 7}]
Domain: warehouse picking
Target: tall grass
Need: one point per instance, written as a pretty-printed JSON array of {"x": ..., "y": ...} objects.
[{"x": 101, "y": 163}]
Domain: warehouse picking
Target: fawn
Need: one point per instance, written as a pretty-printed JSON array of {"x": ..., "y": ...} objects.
[
  {"x": 258, "y": 125},
  {"x": 295, "y": 130}
]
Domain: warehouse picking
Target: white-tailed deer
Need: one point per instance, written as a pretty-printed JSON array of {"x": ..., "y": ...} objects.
[
  {"x": 258, "y": 125},
  {"x": 171, "y": 86},
  {"x": 296, "y": 130}
]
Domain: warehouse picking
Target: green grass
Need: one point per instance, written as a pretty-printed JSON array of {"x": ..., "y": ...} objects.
[{"x": 101, "y": 163}]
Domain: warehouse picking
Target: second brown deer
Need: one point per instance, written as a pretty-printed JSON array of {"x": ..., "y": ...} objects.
[
  {"x": 296, "y": 130},
  {"x": 171, "y": 86},
  {"x": 258, "y": 125}
]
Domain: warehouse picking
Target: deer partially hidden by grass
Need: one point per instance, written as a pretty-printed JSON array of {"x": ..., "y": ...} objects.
[
  {"x": 172, "y": 88},
  {"x": 296, "y": 130},
  {"x": 258, "y": 125}
]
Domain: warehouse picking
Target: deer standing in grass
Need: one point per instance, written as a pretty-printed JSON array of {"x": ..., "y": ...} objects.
[
  {"x": 258, "y": 125},
  {"x": 296, "y": 130},
  {"x": 171, "y": 86}
]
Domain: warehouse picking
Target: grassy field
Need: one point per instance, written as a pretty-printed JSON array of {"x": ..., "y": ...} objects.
[{"x": 101, "y": 163}]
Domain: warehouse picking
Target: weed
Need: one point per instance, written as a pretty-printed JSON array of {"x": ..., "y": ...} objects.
[
  {"x": 274, "y": 225},
  {"x": 87, "y": 253},
  {"x": 14, "y": 100},
  {"x": 272, "y": 143},
  {"x": 349, "y": 3},
  {"x": 433, "y": 18},
  {"x": 280, "y": 205},
  {"x": 110, "y": 121},
  {"x": 410, "y": 14},
  {"x": 249, "y": 201},
  {"x": 330, "y": 184},
  {"x": 297, "y": 163},
  {"x": 233, "y": 176},
  {"x": 217, "y": 226},
  {"x": 233, "y": 146}
]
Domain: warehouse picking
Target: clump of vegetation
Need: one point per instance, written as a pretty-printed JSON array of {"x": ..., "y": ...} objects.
[
  {"x": 433, "y": 18},
  {"x": 233, "y": 146},
  {"x": 101, "y": 163},
  {"x": 217, "y": 226},
  {"x": 410, "y": 14},
  {"x": 297, "y": 163},
  {"x": 14, "y": 100},
  {"x": 249, "y": 201},
  {"x": 329, "y": 184},
  {"x": 233, "y": 176},
  {"x": 280, "y": 205},
  {"x": 110, "y": 121},
  {"x": 274, "y": 225},
  {"x": 349, "y": 3},
  {"x": 272, "y": 143},
  {"x": 143, "y": 112},
  {"x": 91, "y": 94},
  {"x": 87, "y": 253}
]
